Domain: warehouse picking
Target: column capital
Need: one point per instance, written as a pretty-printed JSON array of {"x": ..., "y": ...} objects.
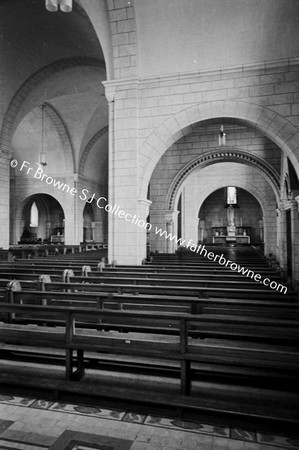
[
  {"x": 171, "y": 215},
  {"x": 143, "y": 206},
  {"x": 288, "y": 204},
  {"x": 109, "y": 92},
  {"x": 112, "y": 85},
  {"x": 144, "y": 202},
  {"x": 167, "y": 212}
]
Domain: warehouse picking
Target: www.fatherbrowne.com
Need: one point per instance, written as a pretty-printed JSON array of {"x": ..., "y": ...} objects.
[{"x": 221, "y": 260}]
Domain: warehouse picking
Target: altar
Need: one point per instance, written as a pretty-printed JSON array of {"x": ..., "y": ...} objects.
[
  {"x": 237, "y": 239},
  {"x": 57, "y": 239},
  {"x": 231, "y": 233}
]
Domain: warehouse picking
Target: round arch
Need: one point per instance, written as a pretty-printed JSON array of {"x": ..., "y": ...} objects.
[
  {"x": 248, "y": 188},
  {"x": 281, "y": 131},
  {"x": 226, "y": 154},
  {"x": 241, "y": 177},
  {"x": 51, "y": 217}
]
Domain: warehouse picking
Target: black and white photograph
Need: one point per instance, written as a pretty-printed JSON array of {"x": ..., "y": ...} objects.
[{"x": 149, "y": 224}]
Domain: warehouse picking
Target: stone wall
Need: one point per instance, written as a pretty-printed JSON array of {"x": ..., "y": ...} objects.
[{"x": 153, "y": 114}]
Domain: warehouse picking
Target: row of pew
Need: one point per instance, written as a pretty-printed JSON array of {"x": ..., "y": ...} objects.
[{"x": 193, "y": 323}]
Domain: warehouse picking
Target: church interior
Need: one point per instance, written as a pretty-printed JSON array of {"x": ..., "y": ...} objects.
[{"x": 149, "y": 224}]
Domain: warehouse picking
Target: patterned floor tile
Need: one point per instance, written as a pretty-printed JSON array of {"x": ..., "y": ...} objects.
[
  {"x": 91, "y": 411},
  {"x": 134, "y": 418},
  {"x": 72, "y": 440},
  {"x": 243, "y": 435},
  {"x": 195, "y": 427},
  {"x": 280, "y": 441},
  {"x": 41, "y": 404},
  {"x": 18, "y": 401}
]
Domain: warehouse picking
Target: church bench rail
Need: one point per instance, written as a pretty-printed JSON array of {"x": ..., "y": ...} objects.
[
  {"x": 89, "y": 295},
  {"x": 199, "y": 291},
  {"x": 247, "y": 328},
  {"x": 279, "y": 311},
  {"x": 138, "y": 271},
  {"x": 182, "y": 289},
  {"x": 167, "y": 290},
  {"x": 202, "y": 287},
  {"x": 203, "y": 276},
  {"x": 205, "y": 266},
  {"x": 177, "y": 281},
  {"x": 98, "y": 295},
  {"x": 105, "y": 300}
]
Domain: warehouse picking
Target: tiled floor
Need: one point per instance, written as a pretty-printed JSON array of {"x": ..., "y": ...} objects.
[{"x": 33, "y": 424}]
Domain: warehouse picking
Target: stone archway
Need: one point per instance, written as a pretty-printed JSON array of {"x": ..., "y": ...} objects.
[
  {"x": 271, "y": 124},
  {"x": 201, "y": 182},
  {"x": 51, "y": 219}
]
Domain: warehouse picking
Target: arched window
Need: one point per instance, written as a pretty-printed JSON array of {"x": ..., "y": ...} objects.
[
  {"x": 34, "y": 215},
  {"x": 231, "y": 195}
]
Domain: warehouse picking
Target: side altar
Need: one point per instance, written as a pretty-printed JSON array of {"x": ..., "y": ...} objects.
[{"x": 231, "y": 233}]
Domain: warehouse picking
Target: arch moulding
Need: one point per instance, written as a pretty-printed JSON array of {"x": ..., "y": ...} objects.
[{"x": 227, "y": 154}]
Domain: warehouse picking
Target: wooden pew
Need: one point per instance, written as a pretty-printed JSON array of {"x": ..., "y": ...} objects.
[
  {"x": 221, "y": 288},
  {"x": 80, "y": 283},
  {"x": 182, "y": 347},
  {"x": 191, "y": 305},
  {"x": 188, "y": 268},
  {"x": 193, "y": 275}
]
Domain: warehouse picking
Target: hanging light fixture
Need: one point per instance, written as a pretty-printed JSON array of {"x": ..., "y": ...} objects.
[
  {"x": 65, "y": 5},
  {"x": 42, "y": 154}
]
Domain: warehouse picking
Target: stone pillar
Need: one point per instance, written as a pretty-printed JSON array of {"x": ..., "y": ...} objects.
[
  {"x": 112, "y": 244},
  {"x": 201, "y": 225},
  {"x": 157, "y": 219},
  {"x": 127, "y": 236},
  {"x": 292, "y": 206},
  {"x": 98, "y": 231},
  {"x": 144, "y": 205},
  {"x": 283, "y": 241},
  {"x": 17, "y": 229},
  {"x": 279, "y": 255},
  {"x": 261, "y": 230},
  {"x": 165, "y": 220},
  {"x": 48, "y": 229},
  {"x": 295, "y": 241},
  {"x": 270, "y": 229},
  {"x": 171, "y": 219},
  {"x": 74, "y": 217},
  {"x": 190, "y": 212},
  {"x": 4, "y": 200}
]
